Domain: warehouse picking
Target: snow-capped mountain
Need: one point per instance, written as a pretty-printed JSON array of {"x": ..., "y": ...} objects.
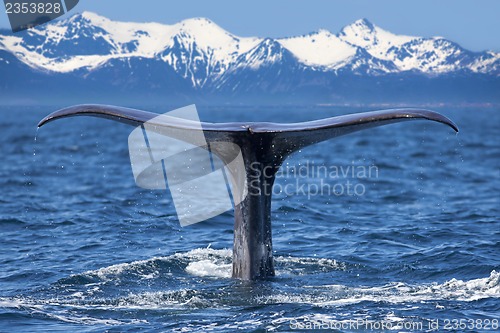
[
  {"x": 198, "y": 55},
  {"x": 88, "y": 41},
  {"x": 427, "y": 55},
  {"x": 269, "y": 63}
]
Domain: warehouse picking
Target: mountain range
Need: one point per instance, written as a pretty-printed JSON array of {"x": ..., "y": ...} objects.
[{"x": 89, "y": 58}]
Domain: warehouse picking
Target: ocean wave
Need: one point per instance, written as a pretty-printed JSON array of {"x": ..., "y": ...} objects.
[
  {"x": 197, "y": 262},
  {"x": 103, "y": 290},
  {"x": 396, "y": 292},
  {"x": 56, "y": 310},
  {"x": 204, "y": 262}
]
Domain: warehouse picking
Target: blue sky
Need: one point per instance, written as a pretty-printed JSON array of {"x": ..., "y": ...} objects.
[{"x": 473, "y": 24}]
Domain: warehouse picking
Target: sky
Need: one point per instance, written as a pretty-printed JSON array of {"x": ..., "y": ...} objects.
[{"x": 474, "y": 24}]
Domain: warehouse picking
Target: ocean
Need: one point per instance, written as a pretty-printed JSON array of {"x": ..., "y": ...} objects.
[{"x": 404, "y": 236}]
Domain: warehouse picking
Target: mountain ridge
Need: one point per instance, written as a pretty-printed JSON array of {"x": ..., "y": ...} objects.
[{"x": 199, "y": 58}]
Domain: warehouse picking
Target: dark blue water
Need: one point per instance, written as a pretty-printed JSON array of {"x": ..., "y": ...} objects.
[{"x": 84, "y": 249}]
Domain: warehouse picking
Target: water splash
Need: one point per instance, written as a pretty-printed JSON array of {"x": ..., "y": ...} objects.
[
  {"x": 91, "y": 298},
  {"x": 34, "y": 145}
]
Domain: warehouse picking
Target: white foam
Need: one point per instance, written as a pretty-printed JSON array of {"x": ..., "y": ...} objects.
[
  {"x": 201, "y": 262},
  {"x": 39, "y": 307},
  {"x": 175, "y": 299},
  {"x": 453, "y": 289},
  {"x": 86, "y": 320},
  {"x": 210, "y": 262},
  {"x": 230, "y": 326},
  {"x": 323, "y": 262},
  {"x": 209, "y": 268},
  {"x": 201, "y": 253},
  {"x": 13, "y": 303},
  {"x": 110, "y": 272},
  {"x": 207, "y": 262}
]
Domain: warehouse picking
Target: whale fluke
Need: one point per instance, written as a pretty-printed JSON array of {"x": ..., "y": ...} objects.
[{"x": 264, "y": 147}]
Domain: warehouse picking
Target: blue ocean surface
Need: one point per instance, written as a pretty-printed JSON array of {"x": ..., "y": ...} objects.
[{"x": 413, "y": 247}]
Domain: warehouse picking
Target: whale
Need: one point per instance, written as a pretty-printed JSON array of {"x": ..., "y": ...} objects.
[{"x": 263, "y": 146}]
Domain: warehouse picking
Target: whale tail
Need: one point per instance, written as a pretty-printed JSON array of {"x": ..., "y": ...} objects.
[{"x": 263, "y": 147}]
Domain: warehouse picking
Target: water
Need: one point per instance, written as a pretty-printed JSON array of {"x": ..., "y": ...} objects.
[{"x": 84, "y": 249}]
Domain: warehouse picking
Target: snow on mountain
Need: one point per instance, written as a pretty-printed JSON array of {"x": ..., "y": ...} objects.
[
  {"x": 267, "y": 68},
  {"x": 364, "y": 63},
  {"x": 434, "y": 55},
  {"x": 203, "y": 53},
  {"x": 88, "y": 41},
  {"x": 85, "y": 41},
  {"x": 488, "y": 62},
  {"x": 267, "y": 53},
  {"x": 210, "y": 36},
  {"x": 146, "y": 39},
  {"x": 321, "y": 48},
  {"x": 117, "y": 39},
  {"x": 200, "y": 50},
  {"x": 438, "y": 55},
  {"x": 375, "y": 40}
]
